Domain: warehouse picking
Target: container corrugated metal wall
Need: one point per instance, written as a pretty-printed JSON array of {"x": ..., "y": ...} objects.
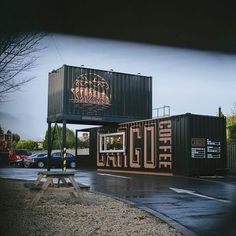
[
  {"x": 231, "y": 158},
  {"x": 187, "y": 145},
  {"x": 181, "y": 144},
  {"x": 56, "y": 92},
  {"x": 89, "y": 160},
  {"x": 213, "y": 131},
  {"x": 98, "y": 96},
  {"x": 199, "y": 144}
]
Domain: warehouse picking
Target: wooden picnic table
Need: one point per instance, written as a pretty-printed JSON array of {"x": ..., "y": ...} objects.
[{"x": 60, "y": 176}]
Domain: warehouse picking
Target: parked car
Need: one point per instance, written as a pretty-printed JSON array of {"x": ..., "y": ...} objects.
[
  {"x": 31, "y": 160},
  {"x": 16, "y": 156},
  {"x": 41, "y": 160}
]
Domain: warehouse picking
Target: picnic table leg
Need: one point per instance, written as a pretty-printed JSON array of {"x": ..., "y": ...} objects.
[
  {"x": 64, "y": 181},
  {"x": 77, "y": 189},
  {"x": 43, "y": 189},
  {"x": 52, "y": 184},
  {"x": 39, "y": 177},
  {"x": 72, "y": 194}
]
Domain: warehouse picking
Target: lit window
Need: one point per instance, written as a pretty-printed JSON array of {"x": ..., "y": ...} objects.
[{"x": 114, "y": 142}]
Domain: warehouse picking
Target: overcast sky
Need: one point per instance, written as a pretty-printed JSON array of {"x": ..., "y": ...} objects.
[{"x": 187, "y": 80}]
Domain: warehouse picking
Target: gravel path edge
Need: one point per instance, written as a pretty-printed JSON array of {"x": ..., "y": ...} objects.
[{"x": 182, "y": 229}]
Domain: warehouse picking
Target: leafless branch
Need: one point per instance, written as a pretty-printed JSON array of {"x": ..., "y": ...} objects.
[{"x": 18, "y": 54}]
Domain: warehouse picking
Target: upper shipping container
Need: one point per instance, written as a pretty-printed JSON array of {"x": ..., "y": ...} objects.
[{"x": 90, "y": 96}]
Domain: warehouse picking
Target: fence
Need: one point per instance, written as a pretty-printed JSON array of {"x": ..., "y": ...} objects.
[{"x": 231, "y": 157}]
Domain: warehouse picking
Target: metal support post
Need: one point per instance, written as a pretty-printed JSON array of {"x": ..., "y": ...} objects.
[
  {"x": 76, "y": 148},
  {"x": 49, "y": 147},
  {"x": 64, "y": 145}
]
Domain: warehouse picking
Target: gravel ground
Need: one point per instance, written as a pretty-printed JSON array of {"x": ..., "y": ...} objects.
[{"x": 57, "y": 213}]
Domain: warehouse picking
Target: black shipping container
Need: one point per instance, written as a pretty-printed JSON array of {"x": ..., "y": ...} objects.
[
  {"x": 186, "y": 144},
  {"x": 199, "y": 144},
  {"x": 89, "y": 96}
]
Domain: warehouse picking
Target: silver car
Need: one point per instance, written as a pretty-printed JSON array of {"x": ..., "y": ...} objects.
[{"x": 31, "y": 160}]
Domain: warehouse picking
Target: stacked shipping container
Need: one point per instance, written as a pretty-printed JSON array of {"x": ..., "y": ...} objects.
[
  {"x": 181, "y": 145},
  {"x": 89, "y": 96}
]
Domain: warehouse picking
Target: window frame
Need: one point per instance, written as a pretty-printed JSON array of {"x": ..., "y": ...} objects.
[{"x": 101, "y": 136}]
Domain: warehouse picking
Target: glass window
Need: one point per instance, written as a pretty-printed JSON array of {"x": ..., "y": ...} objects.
[
  {"x": 82, "y": 143},
  {"x": 69, "y": 155},
  {"x": 40, "y": 155},
  {"x": 114, "y": 142},
  {"x": 56, "y": 154}
]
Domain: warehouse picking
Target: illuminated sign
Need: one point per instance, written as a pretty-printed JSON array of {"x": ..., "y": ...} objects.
[
  {"x": 91, "y": 90},
  {"x": 149, "y": 146}
]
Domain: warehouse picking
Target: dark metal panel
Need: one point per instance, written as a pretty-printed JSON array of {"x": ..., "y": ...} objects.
[
  {"x": 180, "y": 144},
  {"x": 55, "y": 92},
  {"x": 212, "y": 132},
  {"x": 231, "y": 158},
  {"x": 195, "y": 144},
  {"x": 91, "y": 95},
  {"x": 88, "y": 161}
]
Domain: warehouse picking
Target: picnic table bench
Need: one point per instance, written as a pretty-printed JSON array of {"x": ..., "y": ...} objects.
[{"x": 61, "y": 176}]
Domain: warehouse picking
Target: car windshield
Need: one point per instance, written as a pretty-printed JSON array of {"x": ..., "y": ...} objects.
[
  {"x": 33, "y": 155},
  {"x": 41, "y": 154},
  {"x": 58, "y": 154}
]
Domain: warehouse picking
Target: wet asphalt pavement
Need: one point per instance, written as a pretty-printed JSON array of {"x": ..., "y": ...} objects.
[{"x": 199, "y": 205}]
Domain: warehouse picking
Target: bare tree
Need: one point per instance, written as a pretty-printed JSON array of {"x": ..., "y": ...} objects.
[{"x": 18, "y": 54}]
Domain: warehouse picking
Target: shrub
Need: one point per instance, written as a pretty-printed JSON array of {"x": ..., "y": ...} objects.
[{"x": 27, "y": 144}]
